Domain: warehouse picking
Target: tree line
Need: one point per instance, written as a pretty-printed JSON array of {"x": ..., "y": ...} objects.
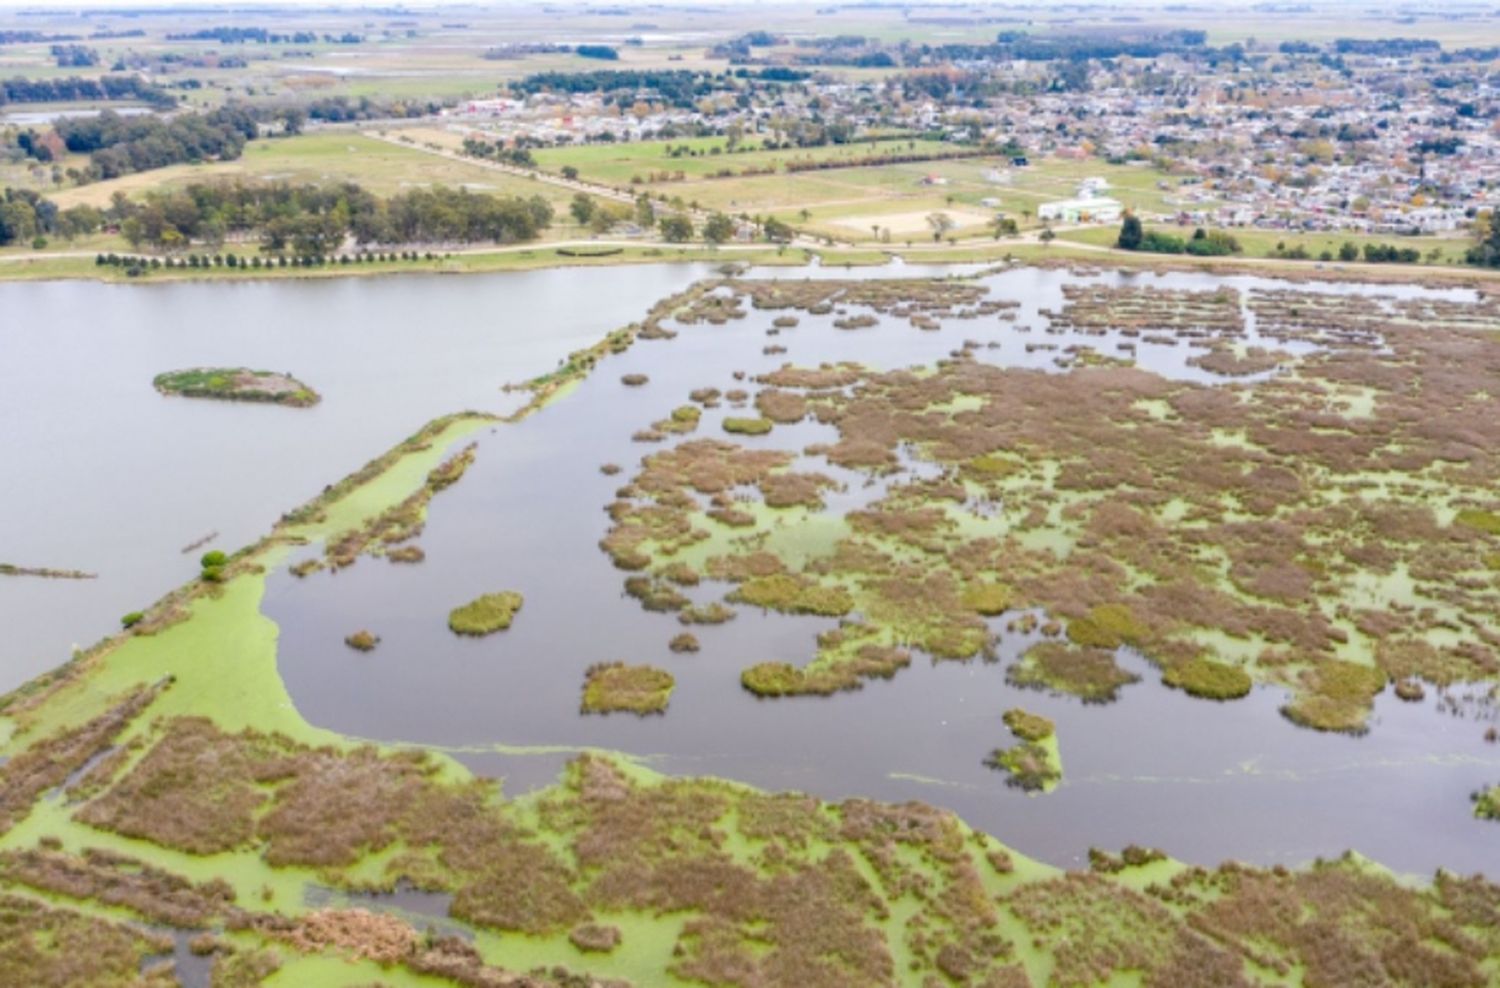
[
  {"x": 78, "y": 89},
  {"x": 315, "y": 220}
]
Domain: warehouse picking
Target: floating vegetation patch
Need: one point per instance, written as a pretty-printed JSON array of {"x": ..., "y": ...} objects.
[
  {"x": 237, "y": 384},
  {"x": 1487, "y": 803},
  {"x": 362, "y": 641},
  {"x": 610, "y": 687},
  {"x": 485, "y": 614},
  {"x": 1208, "y": 678},
  {"x": 747, "y": 426},
  {"x": 1032, "y": 764},
  {"x": 1091, "y": 674}
]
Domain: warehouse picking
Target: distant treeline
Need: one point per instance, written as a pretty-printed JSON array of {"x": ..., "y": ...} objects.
[
  {"x": 1388, "y": 47},
  {"x": 681, "y": 88},
  {"x": 79, "y": 89},
  {"x": 120, "y": 145},
  {"x": 342, "y": 108},
  {"x": 1017, "y": 45},
  {"x": 315, "y": 220},
  {"x": 260, "y": 36},
  {"x": 893, "y": 158}
]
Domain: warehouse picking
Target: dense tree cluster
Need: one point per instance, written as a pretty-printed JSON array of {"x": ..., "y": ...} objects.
[
  {"x": 75, "y": 56},
  {"x": 1203, "y": 243},
  {"x": 120, "y": 145},
  {"x": 679, "y": 87},
  {"x": 78, "y": 89},
  {"x": 602, "y": 52},
  {"x": 26, "y": 217}
]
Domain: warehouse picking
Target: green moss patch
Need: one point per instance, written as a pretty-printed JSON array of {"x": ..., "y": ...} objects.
[
  {"x": 747, "y": 426},
  {"x": 1208, "y": 679},
  {"x": 1028, "y": 726},
  {"x": 485, "y": 614}
]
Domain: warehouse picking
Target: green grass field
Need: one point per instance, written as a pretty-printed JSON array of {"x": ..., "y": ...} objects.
[
  {"x": 380, "y": 166},
  {"x": 619, "y": 164},
  {"x": 1263, "y": 243}
]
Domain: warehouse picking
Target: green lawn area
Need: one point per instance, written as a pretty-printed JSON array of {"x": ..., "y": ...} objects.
[
  {"x": 618, "y": 164},
  {"x": 1262, "y": 243},
  {"x": 379, "y": 166},
  {"x": 852, "y": 203}
]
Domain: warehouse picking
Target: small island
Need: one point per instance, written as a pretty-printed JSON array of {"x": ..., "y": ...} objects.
[
  {"x": 237, "y": 384},
  {"x": 485, "y": 614},
  {"x": 610, "y": 687}
]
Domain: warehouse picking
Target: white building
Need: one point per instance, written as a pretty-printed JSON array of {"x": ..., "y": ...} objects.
[{"x": 1092, "y": 210}]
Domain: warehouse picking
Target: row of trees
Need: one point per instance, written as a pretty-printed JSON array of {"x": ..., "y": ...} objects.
[
  {"x": 135, "y": 266},
  {"x": 313, "y": 220}
]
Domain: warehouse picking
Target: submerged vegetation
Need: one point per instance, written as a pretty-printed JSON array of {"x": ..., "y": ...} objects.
[
  {"x": 485, "y": 614},
  {"x": 237, "y": 384}
]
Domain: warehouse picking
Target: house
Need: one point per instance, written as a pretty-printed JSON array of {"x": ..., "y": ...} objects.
[{"x": 1094, "y": 210}]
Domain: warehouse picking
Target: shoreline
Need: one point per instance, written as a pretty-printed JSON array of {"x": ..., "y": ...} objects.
[{"x": 530, "y": 257}]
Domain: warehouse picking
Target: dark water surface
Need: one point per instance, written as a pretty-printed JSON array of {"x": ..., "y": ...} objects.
[
  {"x": 100, "y": 473},
  {"x": 1204, "y": 781}
]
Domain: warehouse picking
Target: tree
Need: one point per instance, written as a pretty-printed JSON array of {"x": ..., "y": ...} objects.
[
  {"x": 645, "y": 213},
  {"x": 1486, "y": 252},
  {"x": 570, "y": 173},
  {"x": 718, "y": 228},
  {"x": 776, "y": 231},
  {"x": 1047, "y": 235},
  {"x": 1004, "y": 226},
  {"x": 1349, "y": 251},
  {"x": 940, "y": 223},
  {"x": 1131, "y": 233},
  {"x": 676, "y": 228},
  {"x": 582, "y": 208}
]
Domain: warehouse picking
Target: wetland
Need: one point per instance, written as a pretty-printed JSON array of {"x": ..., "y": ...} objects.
[{"x": 1022, "y": 600}]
